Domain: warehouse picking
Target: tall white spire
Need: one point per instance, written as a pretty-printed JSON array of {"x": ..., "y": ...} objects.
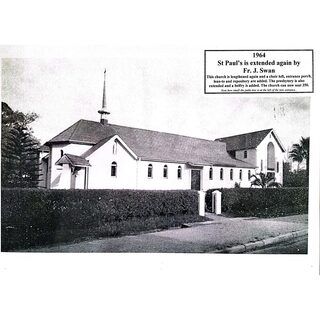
[{"x": 103, "y": 111}]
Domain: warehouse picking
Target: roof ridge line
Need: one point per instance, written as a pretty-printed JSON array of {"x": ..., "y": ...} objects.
[
  {"x": 76, "y": 127},
  {"x": 98, "y": 122},
  {"x": 62, "y": 131},
  {"x": 242, "y": 134},
  {"x": 173, "y": 134},
  {"x": 130, "y": 127}
]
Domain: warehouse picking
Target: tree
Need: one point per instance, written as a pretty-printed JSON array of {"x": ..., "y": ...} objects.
[
  {"x": 300, "y": 152},
  {"x": 19, "y": 149},
  {"x": 264, "y": 181}
]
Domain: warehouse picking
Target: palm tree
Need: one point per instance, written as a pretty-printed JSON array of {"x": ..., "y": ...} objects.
[
  {"x": 264, "y": 181},
  {"x": 300, "y": 152}
]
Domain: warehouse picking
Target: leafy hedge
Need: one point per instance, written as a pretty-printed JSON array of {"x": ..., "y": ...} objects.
[
  {"x": 296, "y": 179},
  {"x": 262, "y": 202},
  {"x": 33, "y": 217}
]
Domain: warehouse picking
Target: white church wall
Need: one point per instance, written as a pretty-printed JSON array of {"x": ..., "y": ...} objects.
[
  {"x": 226, "y": 182},
  {"x": 262, "y": 155},
  {"x": 65, "y": 177},
  {"x": 100, "y": 170},
  {"x": 157, "y": 181},
  {"x": 57, "y": 180},
  {"x": 133, "y": 174},
  {"x": 79, "y": 181},
  {"x": 251, "y": 156}
]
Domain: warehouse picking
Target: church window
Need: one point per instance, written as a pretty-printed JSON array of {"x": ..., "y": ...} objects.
[
  {"x": 150, "y": 169},
  {"x": 211, "y": 173},
  {"x": 249, "y": 174},
  {"x": 115, "y": 147},
  {"x": 245, "y": 154},
  {"x": 278, "y": 167},
  {"x": 221, "y": 174},
  {"x": 179, "y": 172},
  {"x": 271, "y": 159},
  {"x": 231, "y": 174},
  {"x": 61, "y": 153},
  {"x": 113, "y": 169},
  {"x": 240, "y": 174},
  {"x": 165, "y": 171}
]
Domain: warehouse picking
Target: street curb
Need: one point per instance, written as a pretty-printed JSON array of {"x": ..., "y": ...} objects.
[
  {"x": 242, "y": 248},
  {"x": 195, "y": 224}
]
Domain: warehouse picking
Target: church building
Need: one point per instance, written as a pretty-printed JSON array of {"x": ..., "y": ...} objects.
[{"x": 101, "y": 155}]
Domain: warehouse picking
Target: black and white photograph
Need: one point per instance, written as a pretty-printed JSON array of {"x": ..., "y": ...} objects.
[
  {"x": 159, "y": 160},
  {"x": 119, "y": 159}
]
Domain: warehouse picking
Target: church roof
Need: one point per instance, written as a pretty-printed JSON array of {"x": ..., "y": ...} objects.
[
  {"x": 74, "y": 160},
  {"x": 246, "y": 141},
  {"x": 44, "y": 148},
  {"x": 83, "y": 131},
  {"x": 151, "y": 145}
]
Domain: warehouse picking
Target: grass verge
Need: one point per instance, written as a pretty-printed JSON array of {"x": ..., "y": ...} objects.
[{"x": 112, "y": 229}]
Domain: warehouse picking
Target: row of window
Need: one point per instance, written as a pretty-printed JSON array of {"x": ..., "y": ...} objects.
[
  {"x": 150, "y": 171},
  {"x": 230, "y": 174},
  {"x": 165, "y": 171},
  {"x": 179, "y": 172}
]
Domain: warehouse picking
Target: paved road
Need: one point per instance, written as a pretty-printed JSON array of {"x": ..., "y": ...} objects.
[
  {"x": 219, "y": 233},
  {"x": 296, "y": 246}
]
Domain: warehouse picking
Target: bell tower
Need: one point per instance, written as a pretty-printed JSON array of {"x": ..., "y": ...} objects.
[{"x": 103, "y": 111}]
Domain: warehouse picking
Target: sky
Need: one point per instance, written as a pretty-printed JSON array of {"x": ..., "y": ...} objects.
[{"x": 158, "y": 89}]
